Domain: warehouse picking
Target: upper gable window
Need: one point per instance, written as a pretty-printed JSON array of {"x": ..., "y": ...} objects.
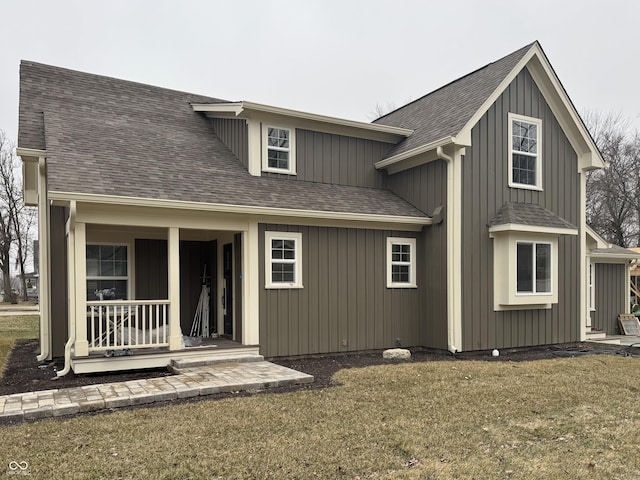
[
  {"x": 525, "y": 165},
  {"x": 278, "y": 152}
]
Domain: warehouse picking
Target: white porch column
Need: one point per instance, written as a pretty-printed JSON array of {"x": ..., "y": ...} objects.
[
  {"x": 80, "y": 253},
  {"x": 250, "y": 287},
  {"x": 173, "y": 256}
]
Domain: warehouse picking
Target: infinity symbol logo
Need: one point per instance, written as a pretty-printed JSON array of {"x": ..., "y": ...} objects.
[{"x": 13, "y": 465}]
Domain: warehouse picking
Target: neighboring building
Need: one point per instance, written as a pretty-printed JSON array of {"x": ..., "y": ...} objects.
[{"x": 455, "y": 222}]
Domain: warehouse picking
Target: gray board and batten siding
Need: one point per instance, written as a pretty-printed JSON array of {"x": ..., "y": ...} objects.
[
  {"x": 234, "y": 134},
  {"x": 425, "y": 187},
  {"x": 320, "y": 157},
  {"x": 611, "y": 297},
  {"x": 484, "y": 190},
  {"x": 344, "y": 304}
]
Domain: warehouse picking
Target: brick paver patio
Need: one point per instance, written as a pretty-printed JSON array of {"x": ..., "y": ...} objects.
[{"x": 190, "y": 382}]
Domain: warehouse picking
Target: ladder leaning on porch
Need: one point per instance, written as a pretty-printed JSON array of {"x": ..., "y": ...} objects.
[{"x": 200, "y": 325}]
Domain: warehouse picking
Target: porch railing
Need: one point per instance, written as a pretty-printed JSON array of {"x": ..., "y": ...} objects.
[{"x": 124, "y": 324}]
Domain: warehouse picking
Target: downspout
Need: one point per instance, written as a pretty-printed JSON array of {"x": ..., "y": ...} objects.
[
  {"x": 43, "y": 234},
  {"x": 454, "y": 335},
  {"x": 71, "y": 240}
]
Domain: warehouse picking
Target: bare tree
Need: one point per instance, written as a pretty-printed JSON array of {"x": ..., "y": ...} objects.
[
  {"x": 16, "y": 220},
  {"x": 613, "y": 199}
]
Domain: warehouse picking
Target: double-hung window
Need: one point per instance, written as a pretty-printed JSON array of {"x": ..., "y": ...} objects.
[
  {"x": 283, "y": 252},
  {"x": 107, "y": 269},
  {"x": 525, "y": 165},
  {"x": 278, "y": 152},
  {"x": 401, "y": 262},
  {"x": 533, "y": 263}
]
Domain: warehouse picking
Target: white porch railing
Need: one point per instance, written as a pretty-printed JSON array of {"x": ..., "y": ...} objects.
[{"x": 124, "y": 324}]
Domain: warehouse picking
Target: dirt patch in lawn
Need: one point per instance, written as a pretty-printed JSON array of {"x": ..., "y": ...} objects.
[{"x": 24, "y": 373}]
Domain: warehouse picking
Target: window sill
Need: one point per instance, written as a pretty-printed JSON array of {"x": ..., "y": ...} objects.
[
  {"x": 280, "y": 171},
  {"x": 402, "y": 285},
  {"x": 283, "y": 286},
  {"x": 536, "y": 306},
  {"x": 522, "y": 186}
]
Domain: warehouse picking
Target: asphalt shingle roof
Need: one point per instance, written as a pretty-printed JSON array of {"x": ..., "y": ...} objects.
[
  {"x": 444, "y": 112},
  {"x": 528, "y": 214},
  {"x": 115, "y": 137}
]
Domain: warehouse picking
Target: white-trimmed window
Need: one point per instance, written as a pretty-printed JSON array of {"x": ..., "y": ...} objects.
[
  {"x": 279, "y": 150},
  {"x": 283, "y": 256},
  {"x": 107, "y": 269},
  {"x": 533, "y": 268},
  {"x": 525, "y": 148},
  {"x": 401, "y": 262}
]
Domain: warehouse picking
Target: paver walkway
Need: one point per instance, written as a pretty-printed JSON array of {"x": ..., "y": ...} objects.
[{"x": 191, "y": 382}]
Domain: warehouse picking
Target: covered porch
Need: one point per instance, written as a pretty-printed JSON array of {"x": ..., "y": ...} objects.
[{"x": 139, "y": 277}]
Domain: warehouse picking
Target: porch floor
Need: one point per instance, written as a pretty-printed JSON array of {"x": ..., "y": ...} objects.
[
  {"x": 626, "y": 340},
  {"x": 190, "y": 382}
]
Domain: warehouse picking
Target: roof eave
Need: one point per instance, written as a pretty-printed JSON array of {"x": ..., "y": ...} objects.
[
  {"x": 517, "y": 227},
  {"x": 244, "y": 109},
  {"x": 395, "y": 160},
  {"x": 415, "y": 221}
]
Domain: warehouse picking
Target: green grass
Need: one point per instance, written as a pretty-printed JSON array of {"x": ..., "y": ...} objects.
[
  {"x": 548, "y": 419},
  {"x": 11, "y": 329}
]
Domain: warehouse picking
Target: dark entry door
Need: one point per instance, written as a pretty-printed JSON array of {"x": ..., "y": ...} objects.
[{"x": 227, "y": 288}]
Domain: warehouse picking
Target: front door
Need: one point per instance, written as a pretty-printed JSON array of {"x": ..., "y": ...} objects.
[{"x": 227, "y": 288}]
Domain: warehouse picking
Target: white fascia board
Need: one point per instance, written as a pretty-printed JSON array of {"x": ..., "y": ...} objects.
[
  {"x": 600, "y": 242},
  {"x": 515, "y": 227},
  {"x": 558, "y": 100},
  {"x": 387, "y": 162},
  {"x": 613, "y": 257},
  {"x": 238, "y": 209},
  {"x": 244, "y": 108},
  {"x": 30, "y": 154},
  {"x": 234, "y": 108}
]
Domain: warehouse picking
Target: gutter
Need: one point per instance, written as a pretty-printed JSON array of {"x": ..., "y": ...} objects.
[{"x": 437, "y": 144}]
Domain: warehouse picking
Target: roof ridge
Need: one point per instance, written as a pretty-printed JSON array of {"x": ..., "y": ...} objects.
[{"x": 31, "y": 63}]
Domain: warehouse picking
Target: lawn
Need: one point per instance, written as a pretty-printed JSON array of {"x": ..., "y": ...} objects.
[
  {"x": 562, "y": 418},
  {"x": 11, "y": 329}
]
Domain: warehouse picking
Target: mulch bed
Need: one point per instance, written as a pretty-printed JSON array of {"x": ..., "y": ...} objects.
[{"x": 23, "y": 373}]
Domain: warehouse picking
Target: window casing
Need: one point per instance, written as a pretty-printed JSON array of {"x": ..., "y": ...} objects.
[
  {"x": 525, "y": 270},
  {"x": 107, "y": 267},
  {"x": 278, "y": 154},
  {"x": 283, "y": 257},
  {"x": 525, "y": 149},
  {"x": 401, "y": 262}
]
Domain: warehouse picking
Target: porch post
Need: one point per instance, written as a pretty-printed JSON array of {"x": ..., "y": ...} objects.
[
  {"x": 250, "y": 287},
  {"x": 80, "y": 254},
  {"x": 173, "y": 256}
]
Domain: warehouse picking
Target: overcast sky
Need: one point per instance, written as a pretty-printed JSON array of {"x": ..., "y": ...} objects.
[{"x": 337, "y": 58}]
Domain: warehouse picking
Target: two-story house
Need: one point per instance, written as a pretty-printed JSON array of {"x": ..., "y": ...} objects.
[{"x": 455, "y": 222}]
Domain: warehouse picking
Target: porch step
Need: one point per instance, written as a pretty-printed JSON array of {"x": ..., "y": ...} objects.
[
  {"x": 607, "y": 340},
  {"x": 596, "y": 335},
  {"x": 177, "y": 365}
]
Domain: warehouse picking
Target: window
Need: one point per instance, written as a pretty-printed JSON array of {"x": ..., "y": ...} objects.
[
  {"x": 107, "y": 268},
  {"x": 525, "y": 167},
  {"x": 278, "y": 154},
  {"x": 401, "y": 262},
  {"x": 533, "y": 262},
  {"x": 283, "y": 253},
  {"x": 525, "y": 269}
]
